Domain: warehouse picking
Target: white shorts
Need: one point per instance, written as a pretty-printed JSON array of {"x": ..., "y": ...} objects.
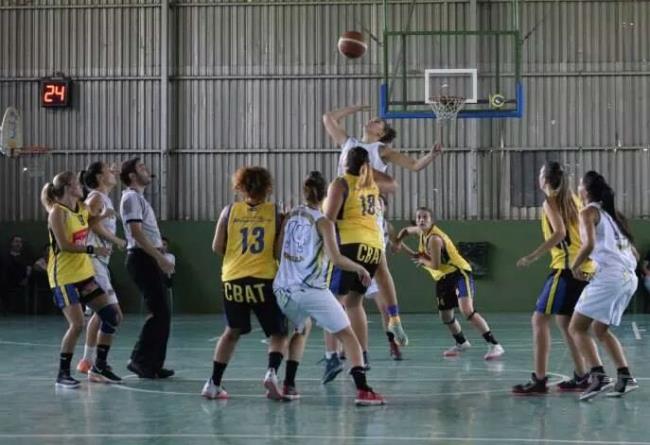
[
  {"x": 103, "y": 279},
  {"x": 373, "y": 289},
  {"x": 606, "y": 297},
  {"x": 298, "y": 304}
]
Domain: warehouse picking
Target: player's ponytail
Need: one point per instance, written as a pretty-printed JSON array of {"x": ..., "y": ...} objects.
[
  {"x": 315, "y": 187},
  {"x": 558, "y": 191},
  {"x": 598, "y": 190},
  {"x": 358, "y": 164},
  {"x": 53, "y": 191}
]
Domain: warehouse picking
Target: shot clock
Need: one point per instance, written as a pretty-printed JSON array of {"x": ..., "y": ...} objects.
[{"x": 56, "y": 92}]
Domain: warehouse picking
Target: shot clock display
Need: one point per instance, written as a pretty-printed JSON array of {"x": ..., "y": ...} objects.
[{"x": 56, "y": 92}]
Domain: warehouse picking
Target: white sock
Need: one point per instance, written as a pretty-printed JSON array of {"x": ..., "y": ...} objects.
[
  {"x": 90, "y": 352},
  {"x": 329, "y": 354}
]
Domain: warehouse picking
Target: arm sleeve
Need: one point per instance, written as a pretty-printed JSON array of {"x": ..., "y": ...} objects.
[{"x": 131, "y": 209}]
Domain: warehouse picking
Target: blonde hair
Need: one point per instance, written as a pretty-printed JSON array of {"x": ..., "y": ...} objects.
[{"x": 54, "y": 191}]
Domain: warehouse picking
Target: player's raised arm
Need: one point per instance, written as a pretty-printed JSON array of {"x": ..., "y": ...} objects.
[{"x": 331, "y": 121}]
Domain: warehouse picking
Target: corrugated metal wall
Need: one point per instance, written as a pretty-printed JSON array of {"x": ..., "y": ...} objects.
[{"x": 249, "y": 81}]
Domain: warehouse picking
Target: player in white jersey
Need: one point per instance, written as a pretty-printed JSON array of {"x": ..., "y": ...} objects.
[
  {"x": 377, "y": 136},
  {"x": 301, "y": 285},
  {"x": 99, "y": 178},
  {"x": 606, "y": 238}
]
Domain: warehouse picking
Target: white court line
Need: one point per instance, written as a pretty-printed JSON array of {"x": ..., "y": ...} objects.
[
  {"x": 320, "y": 437},
  {"x": 561, "y": 377},
  {"x": 635, "y": 329},
  {"x": 253, "y": 347}
]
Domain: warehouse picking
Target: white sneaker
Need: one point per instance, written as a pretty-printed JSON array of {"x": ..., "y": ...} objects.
[
  {"x": 494, "y": 351},
  {"x": 457, "y": 349},
  {"x": 273, "y": 390},
  {"x": 213, "y": 392}
]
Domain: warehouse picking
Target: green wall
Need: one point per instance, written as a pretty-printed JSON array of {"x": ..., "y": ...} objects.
[{"x": 504, "y": 289}]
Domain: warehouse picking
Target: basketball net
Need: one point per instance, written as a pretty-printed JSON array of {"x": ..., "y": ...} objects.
[
  {"x": 446, "y": 109},
  {"x": 34, "y": 160}
]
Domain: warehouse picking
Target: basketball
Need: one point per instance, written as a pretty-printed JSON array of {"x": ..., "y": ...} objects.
[{"x": 352, "y": 45}]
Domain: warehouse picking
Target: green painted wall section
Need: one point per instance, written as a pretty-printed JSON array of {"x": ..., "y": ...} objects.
[{"x": 505, "y": 288}]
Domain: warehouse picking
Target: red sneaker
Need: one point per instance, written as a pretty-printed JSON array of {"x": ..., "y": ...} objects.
[
  {"x": 84, "y": 365},
  {"x": 395, "y": 353},
  {"x": 368, "y": 398}
]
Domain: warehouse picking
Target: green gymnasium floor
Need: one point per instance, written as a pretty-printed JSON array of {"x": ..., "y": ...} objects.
[{"x": 430, "y": 399}]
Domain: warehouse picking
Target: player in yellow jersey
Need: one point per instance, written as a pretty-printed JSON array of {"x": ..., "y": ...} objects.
[
  {"x": 561, "y": 290},
  {"x": 353, "y": 203},
  {"x": 71, "y": 275},
  {"x": 454, "y": 282},
  {"x": 246, "y": 236}
]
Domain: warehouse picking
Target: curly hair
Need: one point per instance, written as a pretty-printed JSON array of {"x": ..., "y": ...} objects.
[{"x": 253, "y": 182}]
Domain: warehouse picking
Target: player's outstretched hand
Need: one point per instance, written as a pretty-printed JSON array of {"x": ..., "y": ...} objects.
[
  {"x": 525, "y": 261},
  {"x": 437, "y": 150}
]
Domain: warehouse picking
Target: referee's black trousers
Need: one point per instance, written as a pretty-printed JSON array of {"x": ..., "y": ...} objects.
[{"x": 151, "y": 348}]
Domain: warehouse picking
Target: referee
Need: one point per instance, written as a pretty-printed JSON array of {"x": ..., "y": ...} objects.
[{"x": 147, "y": 267}]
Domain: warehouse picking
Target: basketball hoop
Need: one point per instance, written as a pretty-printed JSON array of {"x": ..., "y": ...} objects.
[
  {"x": 446, "y": 108},
  {"x": 34, "y": 160}
]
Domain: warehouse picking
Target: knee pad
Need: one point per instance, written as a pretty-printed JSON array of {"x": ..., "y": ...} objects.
[
  {"x": 469, "y": 317},
  {"x": 110, "y": 319}
]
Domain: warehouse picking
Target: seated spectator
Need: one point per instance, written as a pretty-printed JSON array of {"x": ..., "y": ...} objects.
[
  {"x": 645, "y": 271},
  {"x": 16, "y": 270}
]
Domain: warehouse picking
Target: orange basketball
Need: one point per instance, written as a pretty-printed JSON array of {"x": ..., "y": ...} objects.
[{"x": 352, "y": 45}]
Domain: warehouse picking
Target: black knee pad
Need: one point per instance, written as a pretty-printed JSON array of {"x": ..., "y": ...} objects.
[
  {"x": 469, "y": 317},
  {"x": 110, "y": 318}
]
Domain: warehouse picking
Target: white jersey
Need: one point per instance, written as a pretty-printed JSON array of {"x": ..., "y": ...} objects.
[
  {"x": 612, "y": 250},
  {"x": 110, "y": 224},
  {"x": 373, "y": 153},
  {"x": 302, "y": 260}
]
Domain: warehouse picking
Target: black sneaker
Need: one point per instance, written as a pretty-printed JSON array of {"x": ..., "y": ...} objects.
[
  {"x": 577, "y": 383},
  {"x": 624, "y": 384},
  {"x": 104, "y": 375},
  {"x": 163, "y": 373},
  {"x": 532, "y": 388},
  {"x": 598, "y": 382},
  {"x": 140, "y": 371},
  {"x": 65, "y": 380}
]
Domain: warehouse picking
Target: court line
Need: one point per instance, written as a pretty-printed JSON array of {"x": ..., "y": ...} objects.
[
  {"x": 253, "y": 347},
  {"x": 635, "y": 329},
  {"x": 402, "y": 395},
  {"x": 319, "y": 437}
]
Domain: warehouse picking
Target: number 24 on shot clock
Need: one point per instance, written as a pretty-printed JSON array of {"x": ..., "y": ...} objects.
[{"x": 56, "y": 92}]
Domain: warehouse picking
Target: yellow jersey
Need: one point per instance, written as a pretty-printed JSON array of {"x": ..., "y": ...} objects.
[
  {"x": 357, "y": 222},
  {"x": 450, "y": 259},
  {"x": 70, "y": 267},
  {"x": 563, "y": 254},
  {"x": 250, "y": 241}
]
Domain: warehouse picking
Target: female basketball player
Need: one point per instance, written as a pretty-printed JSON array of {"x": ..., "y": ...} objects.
[
  {"x": 455, "y": 284},
  {"x": 301, "y": 283},
  {"x": 71, "y": 275},
  {"x": 376, "y": 140},
  {"x": 245, "y": 235},
  {"x": 353, "y": 201},
  {"x": 561, "y": 290},
  {"x": 100, "y": 179},
  {"x": 608, "y": 241}
]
